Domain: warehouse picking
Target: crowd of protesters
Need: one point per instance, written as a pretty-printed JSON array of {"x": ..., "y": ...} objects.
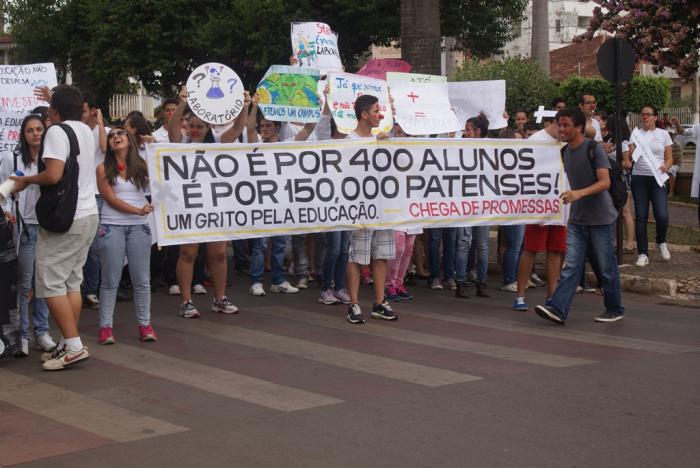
[{"x": 61, "y": 273}]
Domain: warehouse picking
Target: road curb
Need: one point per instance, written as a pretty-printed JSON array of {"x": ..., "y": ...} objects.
[{"x": 644, "y": 285}]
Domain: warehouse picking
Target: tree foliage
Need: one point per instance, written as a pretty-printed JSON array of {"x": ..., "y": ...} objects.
[
  {"x": 665, "y": 33},
  {"x": 105, "y": 43},
  {"x": 636, "y": 93},
  {"x": 527, "y": 86}
]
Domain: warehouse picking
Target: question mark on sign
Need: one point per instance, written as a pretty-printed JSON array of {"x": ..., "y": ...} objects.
[
  {"x": 200, "y": 76},
  {"x": 231, "y": 83}
]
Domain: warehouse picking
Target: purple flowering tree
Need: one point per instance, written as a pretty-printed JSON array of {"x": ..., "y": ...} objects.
[{"x": 664, "y": 33}]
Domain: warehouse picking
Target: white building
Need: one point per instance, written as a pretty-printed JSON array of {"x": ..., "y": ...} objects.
[{"x": 567, "y": 19}]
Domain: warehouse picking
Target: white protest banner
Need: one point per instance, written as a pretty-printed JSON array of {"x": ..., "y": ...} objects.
[
  {"x": 469, "y": 98},
  {"x": 642, "y": 151},
  {"x": 17, "y": 83},
  {"x": 215, "y": 93},
  {"x": 209, "y": 192},
  {"x": 288, "y": 94},
  {"x": 10, "y": 124},
  {"x": 315, "y": 46},
  {"x": 414, "y": 77},
  {"x": 345, "y": 88},
  {"x": 423, "y": 108}
]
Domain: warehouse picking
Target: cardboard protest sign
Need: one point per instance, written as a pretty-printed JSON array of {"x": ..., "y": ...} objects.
[
  {"x": 469, "y": 98},
  {"x": 414, "y": 77},
  {"x": 315, "y": 45},
  {"x": 204, "y": 193},
  {"x": 17, "y": 83},
  {"x": 423, "y": 108},
  {"x": 377, "y": 68},
  {"x": 215, "y": 93},
  {"x": 345, "y": 88},
  {"x": 289, "y": 94},
  {"x": 10, "y": 124}
]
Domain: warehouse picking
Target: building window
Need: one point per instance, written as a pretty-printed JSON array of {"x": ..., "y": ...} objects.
[
  {"x": 517, "y": 30},
  {"x": 583, "y": 21},
  {"x": 675, "y": 93},
  {"x": 558, "y": 26}
]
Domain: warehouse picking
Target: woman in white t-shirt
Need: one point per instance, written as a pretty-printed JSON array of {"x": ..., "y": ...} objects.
[
  {"x": 124, "y": 232},
  {"x": 25, "y": 160},
  {"x": 645, "y": 189}
]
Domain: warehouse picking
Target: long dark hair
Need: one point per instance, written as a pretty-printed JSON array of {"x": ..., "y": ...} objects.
[
  {"x": 136, "y": 169},
  {"x": 23, "y": 147},
  {"x": 482, "y": 123},
  {"x": 137, "y": 120}
]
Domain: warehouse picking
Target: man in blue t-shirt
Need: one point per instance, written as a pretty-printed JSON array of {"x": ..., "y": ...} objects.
[{"x": 591, "y": 222}]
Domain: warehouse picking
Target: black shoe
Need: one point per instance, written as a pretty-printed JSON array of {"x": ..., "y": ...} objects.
[
  {"x": 355, "y": 314},
  {"x": 608, "y": 316},
  {"x": 462, "y": 291},
  {"x": 383, "y": 311},
  {"x": 549, "y": 313},
  {"x": 481, "y": 290}
]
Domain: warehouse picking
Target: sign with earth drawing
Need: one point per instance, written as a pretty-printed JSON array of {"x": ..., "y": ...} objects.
[{"x": 289, "y": 94}]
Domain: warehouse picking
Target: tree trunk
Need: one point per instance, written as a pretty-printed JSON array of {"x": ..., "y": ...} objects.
[
  {"x": 540, "y": 33},
  {"x": 420, "y": 35}
]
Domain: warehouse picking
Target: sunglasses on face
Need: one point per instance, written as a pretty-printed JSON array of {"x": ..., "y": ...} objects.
[
  {"x": 647, "y": 114},
  {"x": 116, "y": 133}
]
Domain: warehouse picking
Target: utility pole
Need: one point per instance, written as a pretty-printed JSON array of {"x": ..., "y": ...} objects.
[{"x": 540, "y": 33}]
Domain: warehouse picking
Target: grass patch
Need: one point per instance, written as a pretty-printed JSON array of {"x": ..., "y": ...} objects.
[
  {"x": 683, "y": 199},
  {"x": 681, "y": 235}
]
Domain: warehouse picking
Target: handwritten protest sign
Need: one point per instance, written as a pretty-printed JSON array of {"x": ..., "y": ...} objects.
[
  {"x": 10, "y": 124},
  {"x": 394, "y": 77},
  {"x": 377, "y": 68},
  {"x": 17, "y": 83},
  {"x": 345, "y": 88},
  {"x": 469, "y": 98},
  {"x": 314, "y": 45},
  {"x": 289, "y": 94},
  {"x": 203, "y": 193},
  {"x": 423, "y": 108},
  {"x": 215, "y": 93}
]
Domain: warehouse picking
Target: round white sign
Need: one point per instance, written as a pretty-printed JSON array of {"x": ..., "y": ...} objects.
[{"x": 215, "y": 93}]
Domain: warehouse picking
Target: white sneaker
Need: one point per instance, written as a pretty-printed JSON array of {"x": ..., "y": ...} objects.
[
  {"x": 663, "y": 250},
  {"x": 512, "y": 287},
  {"x": 24, "y": 347},
  {"x": 530, "y": 284},
  {"x": 256, "y": 290},
  {"x": 283, "y": 287},
  {"x": 303, "y": 283},
  {"x": 44, "y": 342},
  {"x": 174, "y": 290},
  {"x": 199, "y": 289},
  {"x": 642, "y": 260}
]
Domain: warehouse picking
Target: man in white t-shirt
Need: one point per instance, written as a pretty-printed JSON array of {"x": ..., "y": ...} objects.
[
  {"x": 169, "y": 106},
  {"x": 60, "y": 256},
  {"x": 369, "y": 246},
  {"x": 588, "y": 103}
]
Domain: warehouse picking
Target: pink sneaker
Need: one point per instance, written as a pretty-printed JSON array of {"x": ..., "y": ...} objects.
[
  {"x": 147, "y": 333},
  {"x": 106, "y": 337}
]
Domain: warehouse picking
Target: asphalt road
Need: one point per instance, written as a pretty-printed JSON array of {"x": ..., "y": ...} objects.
[{"x": 288, "y": 383}]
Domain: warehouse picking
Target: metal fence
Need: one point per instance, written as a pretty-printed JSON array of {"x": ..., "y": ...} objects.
[
  {"x": 683, "y": 114},
  {"x": 121, "y": 104}
]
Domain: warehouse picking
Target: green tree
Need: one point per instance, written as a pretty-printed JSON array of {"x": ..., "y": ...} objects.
[
  {"x": 527, "y": 86},
  {"x": 636, "y": 93}
]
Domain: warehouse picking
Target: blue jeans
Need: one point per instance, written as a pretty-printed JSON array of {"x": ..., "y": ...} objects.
[
  {"x": 581, "y": 240},
  {"x": 448, "y": 236},
  {"x": 464, "y": 243},
  {"x": 513, "y": 237},
  {"x": 25, "y": 273},
  {"x": 301, "y": 259},
  {"x": 479, "y": 253},
  {"x": 257, "y": 259},
  {"x": 241, "y": 254},
  {"x": 645, "y": 190},
  {"x": 336, "y": 260},
  {"x": 116, "y": 242},
  {"x": 91, "y": 270}
]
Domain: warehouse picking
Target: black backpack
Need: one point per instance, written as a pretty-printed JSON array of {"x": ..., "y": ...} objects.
[
  {"x": 56, "y": 206},
  {"x": 618, "y": 188}
]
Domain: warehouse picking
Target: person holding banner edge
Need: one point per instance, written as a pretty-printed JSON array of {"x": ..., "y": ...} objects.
[
  {"x": 200, "y": 131},
  {"x": 368, "y": 246}
]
